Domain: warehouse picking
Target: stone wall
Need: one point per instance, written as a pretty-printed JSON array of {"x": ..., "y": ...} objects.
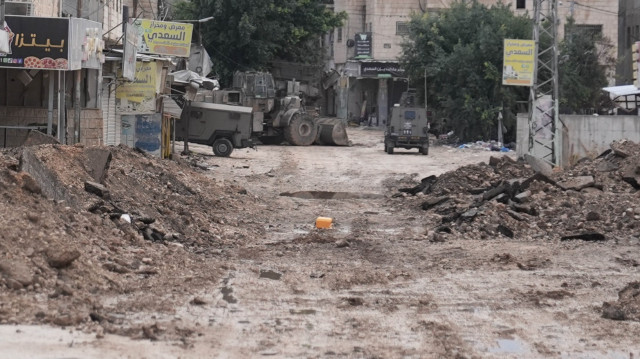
[{"x": 90, "y": 124}]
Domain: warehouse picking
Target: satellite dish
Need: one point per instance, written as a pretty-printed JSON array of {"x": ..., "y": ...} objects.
[{"x": 351, "y": 43}]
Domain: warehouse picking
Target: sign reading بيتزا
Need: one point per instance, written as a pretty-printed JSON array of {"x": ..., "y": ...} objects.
[
  {"x": 519, "y": 62},
  {"x": 163, "y": 38},
  {"x": 36, "y": 43}
]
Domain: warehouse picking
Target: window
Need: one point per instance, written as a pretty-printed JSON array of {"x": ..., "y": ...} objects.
[
  {"x": 521, "y": 4},
  {"x": 339, "y": 34},
  {"x": 402, "y": 28},
  {"x": 19, "y": 8}
]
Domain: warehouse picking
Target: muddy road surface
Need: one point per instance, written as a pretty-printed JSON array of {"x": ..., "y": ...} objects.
[{"x": 379, "y": 284}]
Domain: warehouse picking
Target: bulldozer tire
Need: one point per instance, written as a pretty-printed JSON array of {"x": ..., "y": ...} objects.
[
  {"x": 271, "y": 140},
  {"x": 389, "y": 150},
  {"x": 424, "y": 150},
  {"x": 222, "y": 147},
  {"x": 301, "y": 131}
]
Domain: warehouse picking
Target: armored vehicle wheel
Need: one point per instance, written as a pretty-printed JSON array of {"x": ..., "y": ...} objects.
[
  {"x": 301, "y": 131},
  {"x": 424, "y": 150},
  {"x": 389, "y": 150},
  {"x": 271, "y": 140},
  {"x": 222, "y": 147}
]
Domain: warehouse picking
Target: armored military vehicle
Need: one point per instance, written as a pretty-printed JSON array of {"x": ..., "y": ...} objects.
[
  {"x": 408, "y": 126},
  {"x": 223, "y": 127}
]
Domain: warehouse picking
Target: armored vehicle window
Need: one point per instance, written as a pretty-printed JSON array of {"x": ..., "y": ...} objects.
[{"x": 409, "y": 115}]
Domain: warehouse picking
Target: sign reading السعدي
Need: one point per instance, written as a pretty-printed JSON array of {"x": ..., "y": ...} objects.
[
  {"x": 163, "y": 37},
  {"x": 519, "y": 62}
]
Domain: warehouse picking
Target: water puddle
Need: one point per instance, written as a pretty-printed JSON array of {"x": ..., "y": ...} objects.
[
  {"x": 510, "y": 346},
  {"x": 269, "y": 274},
  {"x": 330, "y": 195}
]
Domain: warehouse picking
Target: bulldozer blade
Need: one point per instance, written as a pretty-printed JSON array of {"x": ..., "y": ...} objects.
[{"x": 331, "y": 132}]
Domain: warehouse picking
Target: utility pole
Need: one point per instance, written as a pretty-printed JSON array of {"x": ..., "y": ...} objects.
[
  {"x": 77, "y": 109},
  {"x": 545, "y": 127}
]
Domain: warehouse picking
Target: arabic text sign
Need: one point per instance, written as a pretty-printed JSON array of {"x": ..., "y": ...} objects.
[
  {"x": 139, "y": 95},
  {"x": 519, "y": 62},
  {"x": 37, "y": 43},
  {"x": 381, "y": 68},
  {"x": 363, "y": 44},
  {"x": 164, "y": 38}
]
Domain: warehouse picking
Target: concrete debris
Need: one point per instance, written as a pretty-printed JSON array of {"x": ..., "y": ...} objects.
[
  {"x": 61, "y": 258},
  {"x": 521, "y": 199},
  {"x": 97, "y": 189}
]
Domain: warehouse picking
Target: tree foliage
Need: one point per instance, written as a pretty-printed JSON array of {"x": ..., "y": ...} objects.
[
  {"x": 461, "y": 49},
  {"x": 584, "y": 63},
  {"x": 250, "y": 34}
]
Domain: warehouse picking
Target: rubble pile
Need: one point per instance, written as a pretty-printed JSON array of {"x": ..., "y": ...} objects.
[
  {"x": 595, "y": 200},
  {"x": 82, "y": 226}
]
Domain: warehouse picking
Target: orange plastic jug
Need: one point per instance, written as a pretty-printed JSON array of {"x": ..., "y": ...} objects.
[{"x": 323, "y": 222}]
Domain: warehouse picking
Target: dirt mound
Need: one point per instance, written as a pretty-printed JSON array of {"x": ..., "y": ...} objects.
[
  {"x": 628, "y": 305},
  {"x": 596, "y": 200},
  {"x": 87, "y": 233}
]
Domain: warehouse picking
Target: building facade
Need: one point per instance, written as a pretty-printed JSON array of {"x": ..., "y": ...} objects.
[{"x": 364, "y": 76}]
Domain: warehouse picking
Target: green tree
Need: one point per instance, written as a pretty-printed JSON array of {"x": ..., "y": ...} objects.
[
  {"x": 584, "y": 63},
  {"x": 250, "y": 34},
  {"x": 461, "y": 49}
]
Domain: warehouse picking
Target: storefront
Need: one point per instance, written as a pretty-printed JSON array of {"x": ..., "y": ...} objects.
[
  {"x": 50, "y": 80},
  {"x": 367, "y": 89}
]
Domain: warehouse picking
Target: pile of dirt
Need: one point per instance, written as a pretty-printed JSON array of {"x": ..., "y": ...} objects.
[
  {"x": 627, "y": 307},
  {"x": 596, "y": 200},
  {"x": 94, "y": 236}
]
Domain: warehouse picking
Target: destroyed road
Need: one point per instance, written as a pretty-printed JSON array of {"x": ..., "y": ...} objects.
[{"x": 219, "y": 256}]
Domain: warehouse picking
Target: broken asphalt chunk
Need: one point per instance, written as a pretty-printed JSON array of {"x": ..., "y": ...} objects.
[
  {"x": 97, "y": 189},
  {"x": 577, "y": 183},
  {"x": 588, "y": 236},
  {"x": 434, "y": 201},
  {"x": 505, "y": 231}
]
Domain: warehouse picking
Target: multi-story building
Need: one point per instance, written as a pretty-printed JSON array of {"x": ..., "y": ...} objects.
[
  {"x": 366, "y": 76},
  {"x": 628, "y": 33}
]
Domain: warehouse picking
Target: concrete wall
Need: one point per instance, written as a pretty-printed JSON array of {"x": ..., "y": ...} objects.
[
  {"x": 585, "y": 135},
  {"x": 91, "y": 127}
]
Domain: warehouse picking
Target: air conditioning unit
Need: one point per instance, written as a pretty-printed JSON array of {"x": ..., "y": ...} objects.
[{"x": 19, "y": 7}]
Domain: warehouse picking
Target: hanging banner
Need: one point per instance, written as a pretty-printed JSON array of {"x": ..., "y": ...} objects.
[
  {"x": 130, "y": 52},
  {"x": 519, "y": 62},
  {"x": 163, "y": 38},
  {"x": 139, "y": 95},
  {"x": 36, "y": 43}
]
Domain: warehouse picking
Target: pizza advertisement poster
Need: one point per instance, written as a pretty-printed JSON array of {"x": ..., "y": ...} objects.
[{"x": 36, "y": 43}]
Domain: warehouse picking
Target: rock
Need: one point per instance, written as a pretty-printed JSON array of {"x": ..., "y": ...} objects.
[
  {"x": 342, "y": 243},
  {"x": 434, "y": 201},
  {"x": 469, "y": 215},
  {"x": 97, "y": 189},
  {"x": 494, "y": 192},
  {"x": 588, "y": 236},
  {"x": 530, "y": 210},
  {"x": 577, "y": 183},
  {"x": 631, "y": 175},
  {"x": 437, "y": 237},
  {"x": 16, "y": 272},
  {"x": 29, "y": 184},
  {"x": 505, "y": 231},
  {"x": 67, "y": 320},
  {"x": 14, "y": 284},
  {"x": 615, "y": 147},
  {"x": 494, "y": 161},
  {"x": 61, "y": 258},
  {"x": 515, "y": 215},
  {"x": 606, "y": 166},
  {"x": 593, "y": 216},
  {"x": 523, "y": 197},
  {"x": 112, "y": 267},
  {"x": 539, "y": 165},
  {"x": 198, "y": 301}
]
